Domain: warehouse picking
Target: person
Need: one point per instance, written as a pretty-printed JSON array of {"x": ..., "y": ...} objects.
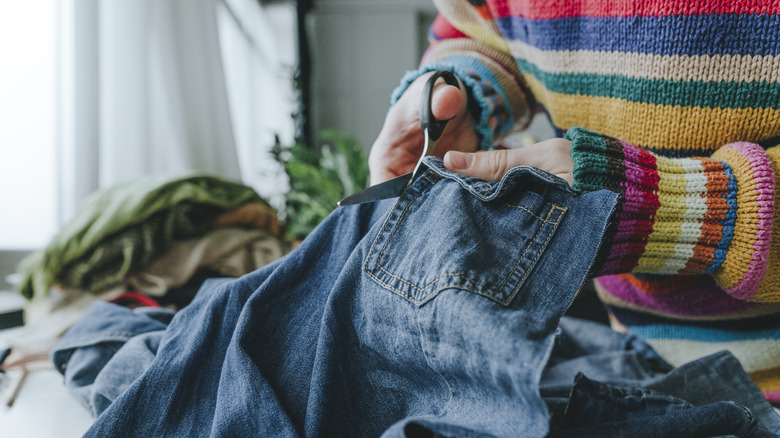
[
  {"x": 404, "y": 317},
  {"x": 674, "y": 105}
]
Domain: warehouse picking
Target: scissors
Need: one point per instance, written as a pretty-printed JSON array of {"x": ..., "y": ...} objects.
[{"x": 432, "y": 131}]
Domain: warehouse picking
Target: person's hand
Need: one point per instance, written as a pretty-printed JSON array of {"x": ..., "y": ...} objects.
[
  {"x": 552, "y": 155},
  {"x": 399, "y": 144}
]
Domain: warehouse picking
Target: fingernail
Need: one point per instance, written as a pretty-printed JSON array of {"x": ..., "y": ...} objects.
[{"x": 459, "y": 160}]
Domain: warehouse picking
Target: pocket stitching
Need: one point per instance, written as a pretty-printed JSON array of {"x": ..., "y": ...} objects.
[
  {"x": 553, "y": 208},
  {"x": 545, "y": 220},
  {"x": 400, "y": 219}
]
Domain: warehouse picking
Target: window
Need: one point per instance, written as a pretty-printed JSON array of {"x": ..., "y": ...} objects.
[
  {"x": 259, "y": 55},
  {"x": 28, "y": 216}
]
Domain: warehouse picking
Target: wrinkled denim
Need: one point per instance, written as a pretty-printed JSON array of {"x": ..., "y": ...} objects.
[
  {"x": 437, "y": 310},
  {"x": 433, "y": 314},
  {"x": 113, "y": 345},
  {"x": 602, "y": 383},
  {"x": 599, "y": 410}
]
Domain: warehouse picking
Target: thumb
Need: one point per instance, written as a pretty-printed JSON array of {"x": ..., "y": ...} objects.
[
  {"x": 448, "y": 102},
  {"x": 489, "y": 166}
]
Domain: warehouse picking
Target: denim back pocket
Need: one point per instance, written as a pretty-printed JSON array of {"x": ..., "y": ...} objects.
[{"x": 450, "y": 231}]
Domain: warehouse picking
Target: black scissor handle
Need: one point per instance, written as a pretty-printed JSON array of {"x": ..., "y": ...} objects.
[{"x": 435, "y": 127}]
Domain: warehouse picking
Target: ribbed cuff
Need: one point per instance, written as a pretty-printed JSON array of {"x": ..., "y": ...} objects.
[
  {"x": 682, "y": 216},
  {"x": 745, "y": 263},
  {"x": 485, "y": 129},
  {"x": 492, "y": 79}
]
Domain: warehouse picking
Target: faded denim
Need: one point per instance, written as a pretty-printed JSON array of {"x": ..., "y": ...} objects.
[
  {"x": 432, "y": 315},
  {"x": 438, "y": 310},
  {"x": 600, "y": 383}
]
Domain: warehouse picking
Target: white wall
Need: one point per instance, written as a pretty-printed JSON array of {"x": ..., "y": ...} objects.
[{"x": 360, "y": 51}]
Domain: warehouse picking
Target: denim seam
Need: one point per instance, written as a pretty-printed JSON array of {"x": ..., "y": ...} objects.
[
  {"x": 427, "y": 174},
  {"x": 538, "y": 254},
  {"x": 431, "y": 283},
  {"x": 750, "y": 419},
  {"x": 485, "y": 189},
  {"x": 546, "y": 220},
  {"x": 403, "y": 214}
]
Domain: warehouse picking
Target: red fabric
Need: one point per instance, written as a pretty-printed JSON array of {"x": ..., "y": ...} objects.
[
  {"x": 545, "y": 9},
  {"x": 134, "y": 299}
]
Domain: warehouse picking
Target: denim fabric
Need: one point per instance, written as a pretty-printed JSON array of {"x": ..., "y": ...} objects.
[
  {"x": 718, "y": 377},
  {"x": 601, "y": 354},
  {"x": 435, "y": 314},
  {"x": 107, "y": 350},
  {"x": 637, "y": 392},
  {"x": 598, "y": 410}
]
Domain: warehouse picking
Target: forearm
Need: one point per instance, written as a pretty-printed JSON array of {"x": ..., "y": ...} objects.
[{"x": 685, "y": 216}]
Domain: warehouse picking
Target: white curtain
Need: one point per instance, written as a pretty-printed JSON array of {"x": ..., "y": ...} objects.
[
  {"x": 259, "y": 55},
  {"x": 163, "y": 97},
  {"x": 142, "y": 91}
]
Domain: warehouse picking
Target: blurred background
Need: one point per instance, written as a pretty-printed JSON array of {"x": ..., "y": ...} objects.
[
  {"x": 97, "y": 92},
  {"x": 93, "y": 93}
]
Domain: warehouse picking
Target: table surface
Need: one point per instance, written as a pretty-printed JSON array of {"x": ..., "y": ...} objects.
[{"x": 43, "y": 408}]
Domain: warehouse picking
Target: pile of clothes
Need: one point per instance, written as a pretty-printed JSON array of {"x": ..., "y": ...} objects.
[{"x": 153, "y": 241}]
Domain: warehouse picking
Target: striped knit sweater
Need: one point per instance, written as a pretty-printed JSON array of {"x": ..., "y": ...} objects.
[{"x": 665, "y": 102}]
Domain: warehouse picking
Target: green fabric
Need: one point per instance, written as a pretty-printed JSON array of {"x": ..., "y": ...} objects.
[{"x": 120, "y": 230}]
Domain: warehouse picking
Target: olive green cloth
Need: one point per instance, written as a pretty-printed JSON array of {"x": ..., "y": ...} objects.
[{"x": 122, "y": 229}]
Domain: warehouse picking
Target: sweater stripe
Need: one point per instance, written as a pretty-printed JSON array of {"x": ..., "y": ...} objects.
[
  {"x": 762, "y": 352},
  {"x": 715, "y": 206},
  {"x": 728, "y": 221},
  {"x": 769, "y": 382},
  {"x": 772, "y": 396},
  {"x": 691, "y": 297},
  {"x": 710, "y": 94},
  {"x": 641, "y": 204},
  {"x": 546, "y": 9},
  {"x": 659, "y": 250},
  {"x": 674, "y": 129},
  {"x": 717, "y": 68},
  {"x": 674, "y": 35},
  {"x": 699, "y": 334}
]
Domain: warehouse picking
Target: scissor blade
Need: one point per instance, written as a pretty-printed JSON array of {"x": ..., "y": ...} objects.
[{"x": 385, "y": 190}]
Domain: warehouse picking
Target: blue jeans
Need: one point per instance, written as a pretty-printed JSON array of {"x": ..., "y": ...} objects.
[
  {"x": 600, "y": 383},
  {"x": 433, "y": 314}
]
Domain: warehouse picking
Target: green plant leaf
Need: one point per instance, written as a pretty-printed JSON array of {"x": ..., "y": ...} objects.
[{"x": 319, "y": 178}]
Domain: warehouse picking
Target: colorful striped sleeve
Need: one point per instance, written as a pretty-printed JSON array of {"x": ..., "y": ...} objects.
[
  {"x": 686, "y": 215},
  {"x": 465, "y": 41}
]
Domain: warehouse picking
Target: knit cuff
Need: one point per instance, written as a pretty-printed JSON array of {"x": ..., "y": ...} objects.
[
  {"x": 681, "y": 216},
  {"x": 503, "y": 104},
  {"x": 485, "y": 129},
  {"x": 746, "y": 261}
]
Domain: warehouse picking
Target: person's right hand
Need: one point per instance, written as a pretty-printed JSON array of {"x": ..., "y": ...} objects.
[{"x": 399, "y": 144}]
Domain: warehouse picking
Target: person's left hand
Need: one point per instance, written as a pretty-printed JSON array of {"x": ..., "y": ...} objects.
[
  {"x": 552, "y": 155},
  {"x": 398, "y": 147}
]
